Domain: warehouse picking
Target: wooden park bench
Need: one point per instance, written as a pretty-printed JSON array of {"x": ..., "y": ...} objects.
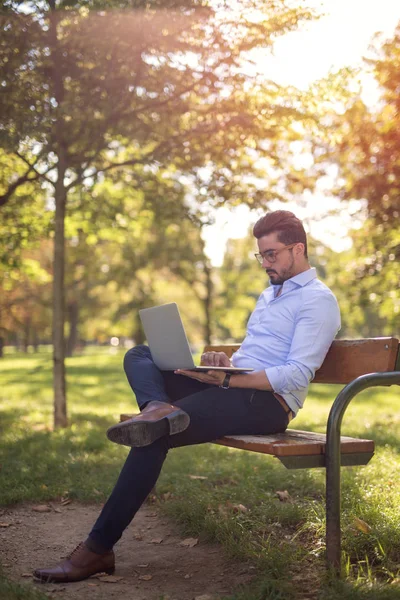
[{"x": 360, "y": 364}]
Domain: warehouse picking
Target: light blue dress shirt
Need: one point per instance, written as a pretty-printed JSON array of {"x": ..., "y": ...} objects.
[{"x": 289, "y": 335}]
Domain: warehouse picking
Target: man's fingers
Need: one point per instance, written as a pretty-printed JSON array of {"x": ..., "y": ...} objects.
[
  {"x": 215, "y": 359},
  {"x": 208, "y": 358},
  {"x": 223, "y": 360}
]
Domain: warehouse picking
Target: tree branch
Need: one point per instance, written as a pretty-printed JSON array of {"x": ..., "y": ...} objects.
[
  {"x": 4, "y": 198},
  {"x": 32, "y": 166}
]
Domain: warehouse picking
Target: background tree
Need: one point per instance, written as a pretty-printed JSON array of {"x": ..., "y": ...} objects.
[
  {"x": 124, "y": 238},
  {"x": 86, "y": 92},
  {"x": 366, "y": 150},
  {"x": 25, "y": 298}
]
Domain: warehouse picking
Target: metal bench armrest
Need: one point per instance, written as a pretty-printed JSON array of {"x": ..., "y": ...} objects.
[{"x": 333, "y": 431}]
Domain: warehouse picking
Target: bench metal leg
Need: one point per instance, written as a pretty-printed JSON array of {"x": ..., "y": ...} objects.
[{"x": 333, "y": 533}]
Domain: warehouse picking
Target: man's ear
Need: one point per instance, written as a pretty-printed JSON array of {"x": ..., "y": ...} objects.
[{"x": 299, "y": 249}]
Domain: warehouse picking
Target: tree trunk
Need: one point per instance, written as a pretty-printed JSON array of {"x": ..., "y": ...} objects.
[
  {"x": 26, "y": 335},
  {"x": 73, "y": 314},
  {"x": 35, "y": 341},
  {"x": 60, "y": 400},
  {"x": 1, "y": 347},
  {"x": 208, "y": 303}
]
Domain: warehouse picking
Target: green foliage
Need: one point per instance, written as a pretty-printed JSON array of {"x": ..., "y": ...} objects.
[
  {"x": 241, "y": 282},
  {"x": 129, "y": 109},
  {"x": 371, "y": 276},
  {"x": 166, "y": 89},
  {"x": 365, "y": 147},
  {"x": 24, "y": 220}
]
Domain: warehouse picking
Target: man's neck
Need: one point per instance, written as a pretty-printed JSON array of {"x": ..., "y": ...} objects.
[{"x": 304, "y": 267}]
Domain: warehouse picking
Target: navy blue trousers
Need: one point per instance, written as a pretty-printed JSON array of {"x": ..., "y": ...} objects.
[{"x": 213, "y": 411}]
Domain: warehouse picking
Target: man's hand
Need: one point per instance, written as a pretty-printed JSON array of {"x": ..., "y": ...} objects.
[
  {"x": 215, "y": 359},
  {"x": 210, "y": 377}
]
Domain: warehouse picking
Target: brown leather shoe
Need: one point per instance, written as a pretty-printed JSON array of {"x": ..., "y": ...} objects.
[
  {"x": 156, "y": 420},
  {"x": 80, "y": 564}
]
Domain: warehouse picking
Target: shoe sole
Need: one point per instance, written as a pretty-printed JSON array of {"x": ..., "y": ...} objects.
[
  {"x": 50, "y": 579},
  {"x": 143, "y": 433}
]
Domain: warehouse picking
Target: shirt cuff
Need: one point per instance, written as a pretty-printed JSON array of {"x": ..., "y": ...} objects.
[
  {"x": 285, "y": 379},
  {"x": 274, "y": 378}
]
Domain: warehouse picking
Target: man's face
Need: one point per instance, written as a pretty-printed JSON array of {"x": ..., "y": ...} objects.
[{"x": 284, "y": 266}]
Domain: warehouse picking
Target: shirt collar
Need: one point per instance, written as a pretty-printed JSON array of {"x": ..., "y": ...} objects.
[
  {"x": 305, "y": 277},
  {"x": 300, "y": 280}
]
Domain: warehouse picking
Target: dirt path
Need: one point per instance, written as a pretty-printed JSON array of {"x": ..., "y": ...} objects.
[{"x": 152, "y": 561}]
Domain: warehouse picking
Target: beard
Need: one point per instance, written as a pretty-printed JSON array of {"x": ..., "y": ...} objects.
[{"x": 278, "y": 278}]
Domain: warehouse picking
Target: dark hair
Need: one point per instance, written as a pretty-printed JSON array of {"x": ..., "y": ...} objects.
[{"x": 287, "y": 226}]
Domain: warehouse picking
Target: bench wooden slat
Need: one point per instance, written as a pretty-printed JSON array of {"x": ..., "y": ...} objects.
[
  {"x": 291, "y": 443},
  {"x": 294, "y": 443},
  {"x": 346, "y": 359}
]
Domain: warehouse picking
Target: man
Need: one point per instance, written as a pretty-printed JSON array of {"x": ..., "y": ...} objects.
[{"x": 288, "y": 335}]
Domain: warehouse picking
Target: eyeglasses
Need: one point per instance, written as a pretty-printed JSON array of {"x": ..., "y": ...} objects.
[{"x": 270, "y": 255}]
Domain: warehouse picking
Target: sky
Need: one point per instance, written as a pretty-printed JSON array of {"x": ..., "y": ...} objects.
[{"x": 339, "y": 38}]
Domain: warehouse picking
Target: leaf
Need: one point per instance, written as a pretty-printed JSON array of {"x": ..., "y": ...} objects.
[
  {"x": 42, "y": 508},
  {"x": 145, "y": 577},
  {"x": 197, "y": 477},
  {"x": 239, "y": 508},
  {"x": 5, "y": 524},
  {"x": 156, "y": 540},
  {"x": 284, "y": 496},
  {"x": 110, "y": 578},
  {"x": 65, "y": 499},
  {"x": 189, "y": 542},
  {"x": 361, "y": 525}
]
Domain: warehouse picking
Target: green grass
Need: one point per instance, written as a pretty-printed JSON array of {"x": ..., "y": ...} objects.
[
  {"x": 14, "y": 591},
  {"x": 285, "y": 541}
]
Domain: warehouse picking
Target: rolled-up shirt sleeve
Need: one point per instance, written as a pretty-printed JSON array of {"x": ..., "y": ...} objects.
[{"x": 317, "y": 323}]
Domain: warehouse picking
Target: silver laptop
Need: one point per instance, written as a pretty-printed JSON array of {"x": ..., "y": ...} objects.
[{"x": 167, "y": 340}]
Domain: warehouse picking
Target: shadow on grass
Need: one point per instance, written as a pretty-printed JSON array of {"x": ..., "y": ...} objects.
[
  {"x": 40, "y": 464},
  {"x": 79, "y": 380}
]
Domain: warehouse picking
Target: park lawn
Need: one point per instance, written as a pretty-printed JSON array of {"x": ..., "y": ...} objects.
[{"x": 215, "y": 492}]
